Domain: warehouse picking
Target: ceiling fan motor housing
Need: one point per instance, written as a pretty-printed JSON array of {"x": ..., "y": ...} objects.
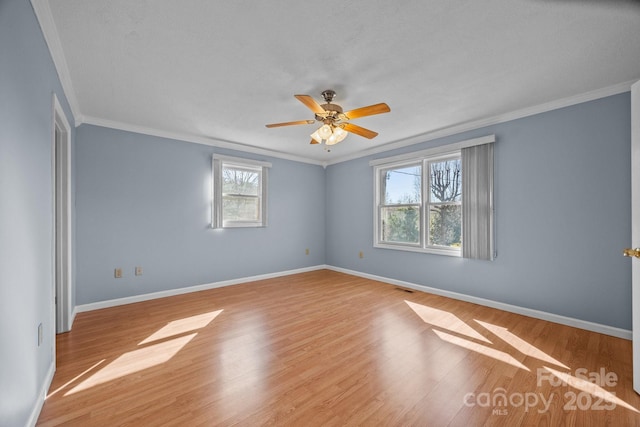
[{"x": 331, "y": 110}]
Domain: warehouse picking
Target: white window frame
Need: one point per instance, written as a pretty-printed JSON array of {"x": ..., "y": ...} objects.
[
  {"x": 423, "y": 157},
  {"x": 424, "y": 206},
  {"x": 427, "y": 203},
  {"x": 219, "y": 162},
  {"x": 380, "y": 206}
]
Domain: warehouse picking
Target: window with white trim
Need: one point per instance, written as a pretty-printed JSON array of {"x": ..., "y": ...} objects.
[
  {"x": 239, "y": 192},
  {"x": 420, "y": 205},
  {"x": 422, "y": 198},
  {"x": 401, "y": 204}
]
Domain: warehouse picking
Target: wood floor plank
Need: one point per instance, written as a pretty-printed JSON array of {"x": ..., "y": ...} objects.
[{"x": 326, "y": 348}]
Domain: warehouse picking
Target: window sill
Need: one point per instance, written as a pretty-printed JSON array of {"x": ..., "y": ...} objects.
[
  {"x": 430, "y": 250},
  {"x": 249, "y": 225}
]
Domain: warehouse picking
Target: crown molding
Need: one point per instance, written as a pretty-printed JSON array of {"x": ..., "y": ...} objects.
[
  {"x": 50, "y": 32},
  {"x": 502, "y": 118},
  {"x": 425, "y": 137},
  {"x": 213, "y": 142}
]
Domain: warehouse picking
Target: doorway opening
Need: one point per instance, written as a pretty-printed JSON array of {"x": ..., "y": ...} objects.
[{"x": 62, "y": 241}]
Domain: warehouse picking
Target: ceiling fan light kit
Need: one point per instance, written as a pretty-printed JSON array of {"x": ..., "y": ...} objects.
[
  {"x": 330, "y": 134},
  {"x": 335, "y": 123}
]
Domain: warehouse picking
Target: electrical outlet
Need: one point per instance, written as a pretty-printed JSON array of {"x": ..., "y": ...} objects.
[
  {"x": 117, "y": 273},
  {"x": 306, "y": 251},
  {"x": 39, "y": 334},
  {"x": 360, "y": 254},
  {"x": 138, "y": 271}
]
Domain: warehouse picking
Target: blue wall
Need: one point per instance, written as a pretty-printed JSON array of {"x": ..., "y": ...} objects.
[
  {"x": 27, "y": 81},
  {"x": 562, "y": 201},
  {"x": 562, "y": 197},
  {"x": 563, "y": 216},
  {"x": 146, "y": 201}
]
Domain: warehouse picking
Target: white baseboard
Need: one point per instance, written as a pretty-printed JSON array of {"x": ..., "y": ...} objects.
[
  {"x": 180, "y": 291},
  {"x": 543, "y": 315},
  {"x": 538, "y": 314},
  {"x": 73, "y": 316},
  {"x": 35, "y": 412}
]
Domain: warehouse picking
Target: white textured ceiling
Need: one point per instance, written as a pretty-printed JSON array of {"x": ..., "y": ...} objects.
[{"x": 218, "y": 71}]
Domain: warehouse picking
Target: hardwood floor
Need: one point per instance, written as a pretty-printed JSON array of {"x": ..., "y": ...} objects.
[{"x": 326, "y": 348}]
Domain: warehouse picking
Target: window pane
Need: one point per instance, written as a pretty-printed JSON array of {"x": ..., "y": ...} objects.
[
  {"x": 236, "y": 180},
  {"x": 445, "y": 181},
  {"x": 402, "y": 185},
  {"x": 240, "y": 208},
  {"x": 445, "y": 227},
  {"x": 401, "y": 224}
]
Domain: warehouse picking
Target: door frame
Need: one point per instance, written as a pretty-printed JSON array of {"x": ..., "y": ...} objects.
[
  {"x": 62, "y": 221},
  {"x": 635, "y": 230}
]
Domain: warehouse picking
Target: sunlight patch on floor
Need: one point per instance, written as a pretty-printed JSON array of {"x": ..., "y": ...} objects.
[
  {"x": 74, "y": 379},
  {"x": 479, "y": 348},
  {"x": 134, "y": 361},
  {"x": 181, "y": 326},
  {"x": 445, "y": 320},
  {"x": 519, "y": 344},
  {"x": 158, "y": 349}
]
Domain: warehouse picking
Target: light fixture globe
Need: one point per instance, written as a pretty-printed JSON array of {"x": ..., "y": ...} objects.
[
  {"x": 316, "y": 136},
  {"x": 340, "y": 133},
  {"x": 331, "y": 140},
  {"x": 325, "y": 131}
]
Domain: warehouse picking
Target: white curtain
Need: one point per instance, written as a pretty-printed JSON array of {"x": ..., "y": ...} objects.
[{"x": 477, "y": 202}]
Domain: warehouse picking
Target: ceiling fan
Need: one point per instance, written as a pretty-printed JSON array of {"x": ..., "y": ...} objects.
[{"x": 335, "y": 123}]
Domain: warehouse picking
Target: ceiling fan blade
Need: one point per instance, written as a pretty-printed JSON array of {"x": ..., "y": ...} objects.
[
  {"x": 313, "y": 141},
  {"x": 359, "y": 130},
  {"x": 368, "y": 111},
  {"x": 310, "y": 103},
  {"x": 298, "y": 122}
]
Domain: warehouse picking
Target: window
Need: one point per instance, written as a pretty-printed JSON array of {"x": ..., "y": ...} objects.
[
  {"x": 401, "y": 206},
  {"x": 444, "y": 205},
  {"x": 427, "y": 220},
  {"x": 239, "y": 192},
  {"x": 421, "y": 200}
]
